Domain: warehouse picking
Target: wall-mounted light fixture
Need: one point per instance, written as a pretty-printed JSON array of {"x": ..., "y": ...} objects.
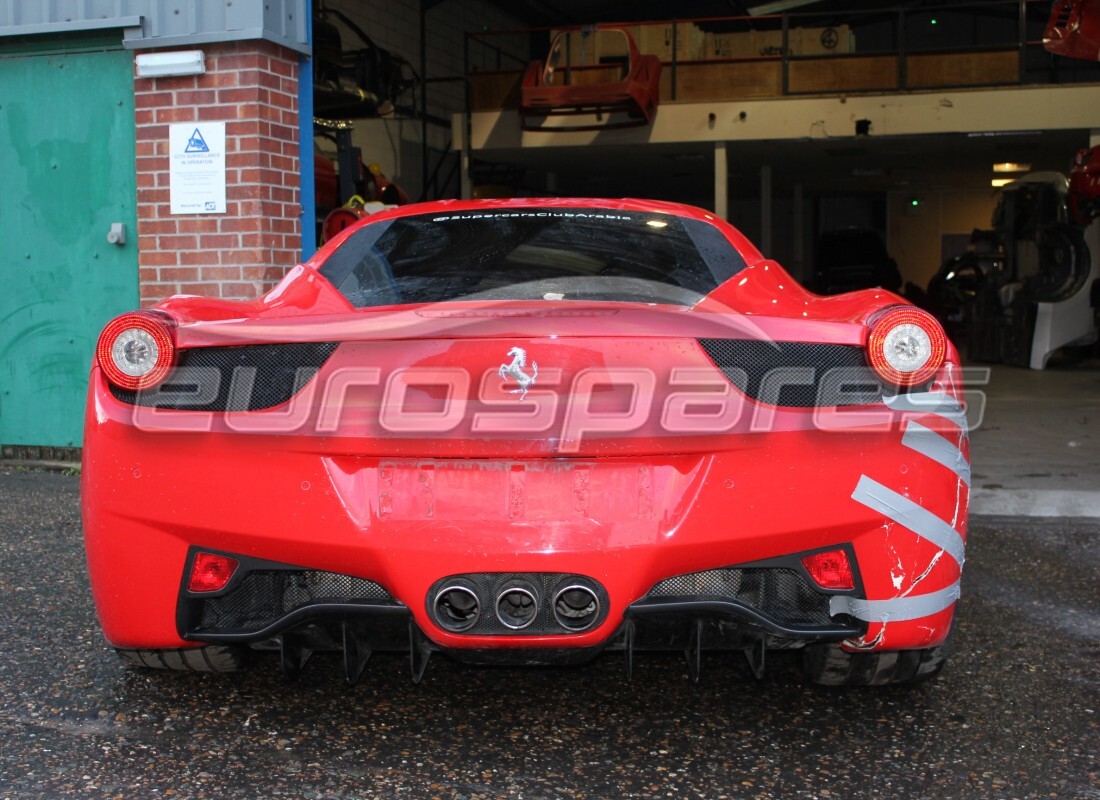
[
  {"x": 176, "y": 62},
  {"x": 1010, "y": 166}
]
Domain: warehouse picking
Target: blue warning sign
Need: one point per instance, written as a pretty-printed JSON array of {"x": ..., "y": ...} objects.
[{"x": 196, "y": 144}]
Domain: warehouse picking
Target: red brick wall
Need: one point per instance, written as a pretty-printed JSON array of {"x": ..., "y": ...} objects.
[{"x": 253, "y": 87}]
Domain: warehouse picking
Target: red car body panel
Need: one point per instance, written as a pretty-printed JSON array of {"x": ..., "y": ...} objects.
[
  {"x": 1073, "y": 29},
  {"x": 585, "y": 89},
  {"x": 468, "y": 478},
  {"x": 1084, "y": 187}
]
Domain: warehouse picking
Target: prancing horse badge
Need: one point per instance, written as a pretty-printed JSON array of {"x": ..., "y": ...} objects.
[{"x": 515, "y": 371}]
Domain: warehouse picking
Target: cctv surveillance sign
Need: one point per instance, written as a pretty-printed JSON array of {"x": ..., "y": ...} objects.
[{"x": 196, "y": 171}]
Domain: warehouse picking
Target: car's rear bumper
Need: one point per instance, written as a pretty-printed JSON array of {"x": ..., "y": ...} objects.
[{"x": 895, "y": 494}]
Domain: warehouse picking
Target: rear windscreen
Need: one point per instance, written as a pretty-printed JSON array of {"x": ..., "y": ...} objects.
[{"x": 533, "y": 254}]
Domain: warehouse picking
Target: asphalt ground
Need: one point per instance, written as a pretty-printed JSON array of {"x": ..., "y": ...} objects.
[{"x": 1015, "y": 714}]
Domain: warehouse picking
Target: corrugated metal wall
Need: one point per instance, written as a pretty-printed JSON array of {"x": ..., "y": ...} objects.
[{"x": 163, "y": 23}]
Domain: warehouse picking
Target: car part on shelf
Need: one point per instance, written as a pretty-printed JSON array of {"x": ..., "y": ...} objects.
[
  {"x": 606, "y": 80},
  {"x": 1073, "y": 29}
]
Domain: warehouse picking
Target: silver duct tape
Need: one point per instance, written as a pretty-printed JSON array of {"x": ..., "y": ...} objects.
[
  {"x": 931, "y": 445},
  {"x": 908, "y": 514},
  {"x": 898, "y": 609},
  {"x": 938, "y": 403}
]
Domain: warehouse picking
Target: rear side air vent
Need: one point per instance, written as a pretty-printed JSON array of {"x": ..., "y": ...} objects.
[
  {"x": 796, "y": 374},
  {"x": 247, "y": 378}
]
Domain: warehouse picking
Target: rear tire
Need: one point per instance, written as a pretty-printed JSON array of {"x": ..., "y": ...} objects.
[
  {"x": 212, "y": 658},
  {"x": 829, "y": 665}
]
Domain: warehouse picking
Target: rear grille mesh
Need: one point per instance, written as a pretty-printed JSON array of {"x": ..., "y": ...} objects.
[
  {"x": 265, "y": 596},
  {"x": 780, "y": 594},
  {"x": 246, "y": 378},
  {"x": 796, "y": 374}
]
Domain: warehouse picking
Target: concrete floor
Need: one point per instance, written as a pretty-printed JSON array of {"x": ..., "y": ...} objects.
[{"x": 1035, "y": 451}]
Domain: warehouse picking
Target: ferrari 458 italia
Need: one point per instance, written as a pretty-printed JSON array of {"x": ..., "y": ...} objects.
[{"x": 530, "y": 431}]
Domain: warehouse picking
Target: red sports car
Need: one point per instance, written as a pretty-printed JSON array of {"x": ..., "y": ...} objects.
[{"x": 530, "y": 431}]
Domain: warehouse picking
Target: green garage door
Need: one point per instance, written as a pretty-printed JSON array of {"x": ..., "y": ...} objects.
[{"x": 66, "y": 175}]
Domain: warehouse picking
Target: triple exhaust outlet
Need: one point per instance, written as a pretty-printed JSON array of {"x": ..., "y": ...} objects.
[{"x": 519, "y": 605}]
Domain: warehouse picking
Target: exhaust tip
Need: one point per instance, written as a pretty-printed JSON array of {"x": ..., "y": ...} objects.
[
  {"x": 456, "y": 607},
  {"x": 576, "y": 607},
  {"x": 517, "y": 605}
]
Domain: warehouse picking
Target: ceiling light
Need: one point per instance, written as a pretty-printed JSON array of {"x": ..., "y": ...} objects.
[
  {"x": 177, "y": 62},
  {"x": 997, "y": 183},
  {"x": 778, "y": 6},
  {"x": 1011, "y": 166}
]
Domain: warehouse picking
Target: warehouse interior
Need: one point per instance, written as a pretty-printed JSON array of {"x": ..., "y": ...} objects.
[{"x": 794, "y": 120}]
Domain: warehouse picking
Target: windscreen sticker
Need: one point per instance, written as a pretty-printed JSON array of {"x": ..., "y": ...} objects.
[{"x": 511, "y": 214}]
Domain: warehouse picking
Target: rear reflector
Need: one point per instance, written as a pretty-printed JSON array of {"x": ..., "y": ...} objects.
[
  {"x": 830, "y": 570},
  {"x": 906, "y": 346},
  {"x": 209, "y": 572}
]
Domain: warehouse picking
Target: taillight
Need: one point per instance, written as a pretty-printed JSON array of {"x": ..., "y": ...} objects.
[
  {"x": 210, "y": 572},
  {"x": 830, "y": 570},
  {"x": 906, "y": 346},
  {"x": 136, "y": 351}
]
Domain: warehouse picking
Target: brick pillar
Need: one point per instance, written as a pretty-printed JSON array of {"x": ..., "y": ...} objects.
[{"x": 253, "y": 87}]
